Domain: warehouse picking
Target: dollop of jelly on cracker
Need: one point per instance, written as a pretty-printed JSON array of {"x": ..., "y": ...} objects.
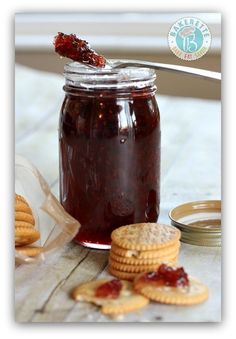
[
  {"x": 110, "y": 289},
  {"x": 166, "y": 276}
]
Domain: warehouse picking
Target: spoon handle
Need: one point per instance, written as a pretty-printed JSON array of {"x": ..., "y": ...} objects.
[{"x": 167, "y": 67}]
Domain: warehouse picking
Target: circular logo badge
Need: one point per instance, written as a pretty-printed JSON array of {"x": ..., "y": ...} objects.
[{"x": 189, "y": 38}]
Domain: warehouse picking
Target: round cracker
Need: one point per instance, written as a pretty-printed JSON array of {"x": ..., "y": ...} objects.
[
  {"x": 131, "y": 303},
  {"x": 22, "y": 207},
  {"x": 195, "y": 293},
  {"x": 25, "y": 217},
  {"x": 86, "y": 291},
  {"x": 121, "y": 274},
  {"x": 137, "y": 261},
  {"x": 137, "y": 268},
  {"x": 19, "y": 197},
  {"x": 30, "y": 251},
  {"x": 26, "y": 236},
  {"x": 127, "y": 301},
  {"x": 165, "y": 251},
  {"x": 23, "y": 224},
  {"x": 145, "y": 236}
]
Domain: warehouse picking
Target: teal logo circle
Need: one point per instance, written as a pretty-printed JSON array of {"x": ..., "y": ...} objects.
[{"x": 189, "y": 38}]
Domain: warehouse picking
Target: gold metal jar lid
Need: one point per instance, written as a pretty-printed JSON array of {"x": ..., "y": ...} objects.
[{"x": 199, "y": 222}]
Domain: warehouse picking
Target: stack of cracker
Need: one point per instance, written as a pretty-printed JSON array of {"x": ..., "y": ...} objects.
[
  {"x": 142, "y": 247},
  {"x": 25, "y": 231}
]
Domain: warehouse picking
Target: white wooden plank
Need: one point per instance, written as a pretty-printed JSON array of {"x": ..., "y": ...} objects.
[{"x": 34, "y": 284}]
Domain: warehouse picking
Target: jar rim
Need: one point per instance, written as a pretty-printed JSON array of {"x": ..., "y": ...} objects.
[{"x": 79, "y": 75}]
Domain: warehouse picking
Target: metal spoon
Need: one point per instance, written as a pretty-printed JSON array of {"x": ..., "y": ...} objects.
[{"x": 115, "y": 63}]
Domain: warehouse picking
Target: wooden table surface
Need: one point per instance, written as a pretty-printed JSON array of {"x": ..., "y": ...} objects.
[{"x": 190, "y": 170}]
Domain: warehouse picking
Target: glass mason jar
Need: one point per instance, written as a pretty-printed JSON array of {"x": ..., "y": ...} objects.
[{"x": 109, "y": 138}]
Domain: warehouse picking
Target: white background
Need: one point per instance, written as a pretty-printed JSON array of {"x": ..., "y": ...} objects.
[
  {"x": 107, "y": 32},
  {"x": 34, "y": 331}
]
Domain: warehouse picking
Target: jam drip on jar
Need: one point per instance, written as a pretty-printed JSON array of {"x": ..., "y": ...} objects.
[
  {"x": 68, "y": 45},
  {"x": 110, "y": 289},
  {"x": 166, "y": 276}
]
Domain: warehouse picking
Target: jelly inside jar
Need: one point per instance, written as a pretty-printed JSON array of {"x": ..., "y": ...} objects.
[{"x": 109, "y": 159}]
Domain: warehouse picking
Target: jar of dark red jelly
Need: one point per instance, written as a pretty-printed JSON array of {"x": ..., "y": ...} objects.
[{"x": 109, "y": 137}]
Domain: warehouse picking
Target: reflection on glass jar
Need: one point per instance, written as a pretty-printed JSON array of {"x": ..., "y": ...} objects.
[{"x": 109, "y": 136}]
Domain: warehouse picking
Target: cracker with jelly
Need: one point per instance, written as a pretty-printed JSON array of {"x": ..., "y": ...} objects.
[{"x": 115, "y": 297}]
